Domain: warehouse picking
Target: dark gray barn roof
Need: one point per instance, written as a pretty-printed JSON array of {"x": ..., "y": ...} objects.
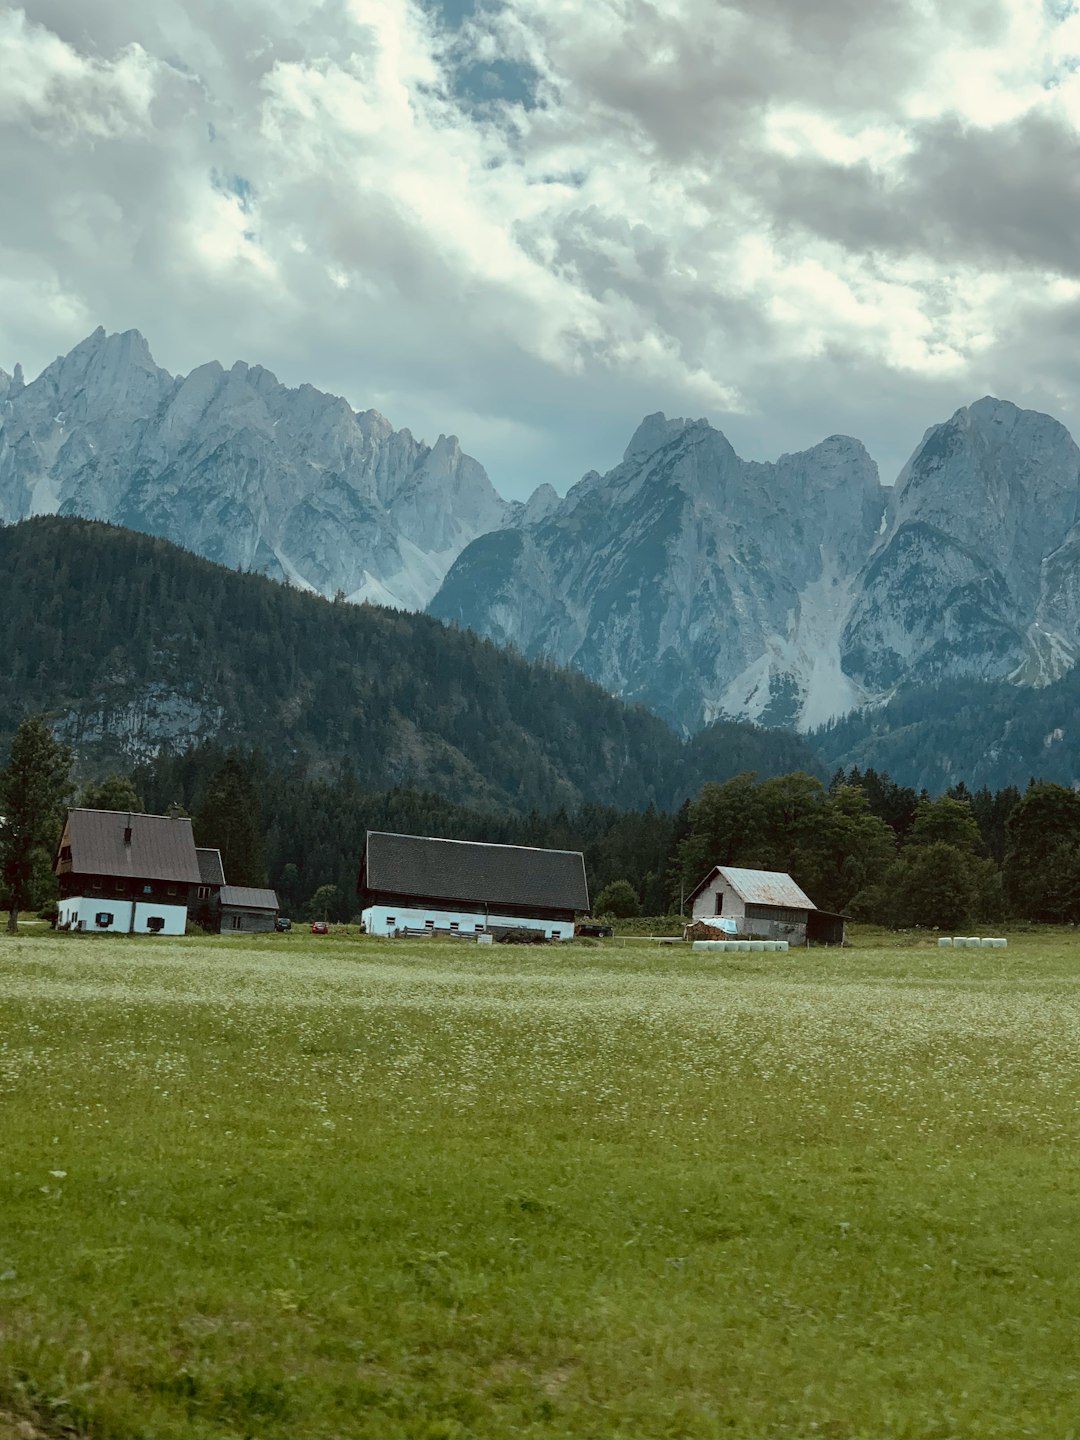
[
  {"x": 161, "y": 848},
  {"x": 247, "y": 897},
  {"x": 211, "y": 870},
  {"x": 478, "y": 873}
]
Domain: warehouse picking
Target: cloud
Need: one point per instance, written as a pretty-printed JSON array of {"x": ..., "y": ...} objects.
[{"x": 530, "y": 223}]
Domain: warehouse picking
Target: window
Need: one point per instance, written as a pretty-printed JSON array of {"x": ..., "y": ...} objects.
[
  {"x": 155, "y": 924},
  {"x": 237, "y": 921},
  {"x": 453, "y": 925},
  {"x": 391, "y": 920},
  {"x": 429, "y": 924},
  {"x": 103, "y": 919},
  {"x": 148, "y": 889},
  {"x": 171, "y": 890},
  {"x": 118, "y": 885},
  {"x": 95, "y": 884},
  {"x": 719, "y": 902},
  {"x": 204, "y": 892},
  {"x": 556, "y": 934}
]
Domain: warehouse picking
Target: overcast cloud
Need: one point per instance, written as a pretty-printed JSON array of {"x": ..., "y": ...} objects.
[{"x": 532, "y": 222}]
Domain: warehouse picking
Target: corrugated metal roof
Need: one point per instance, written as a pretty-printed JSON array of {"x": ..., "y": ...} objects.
[
  {"x": 247, "y": 897},
  {"x": 161, "y": 848},
  {"x": 211, "y": 870},
  {"x": 475, "y": 872},
  {"x": 766, "y": 887}
]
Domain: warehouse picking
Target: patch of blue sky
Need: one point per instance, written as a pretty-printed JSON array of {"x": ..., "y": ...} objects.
[
  {"x": 476, "y": 83},
  {"x": 488, "y": 81},
  {"x": 237, "y": 186}
]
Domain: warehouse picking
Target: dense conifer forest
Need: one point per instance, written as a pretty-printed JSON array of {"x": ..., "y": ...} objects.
[
  {"x": 133, "y": 646},
  {"x": 993, "y": 735}
]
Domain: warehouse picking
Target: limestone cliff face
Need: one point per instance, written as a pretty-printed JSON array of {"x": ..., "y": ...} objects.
[
  {"x": 976, "y": 575},
  {"x": 238, "y": 468},
  {"x": 688, "y": 579}
]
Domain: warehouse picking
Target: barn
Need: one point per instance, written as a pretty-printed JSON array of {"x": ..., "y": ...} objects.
[
  {"x": 764, "y": 905},
  {"x": 415, "y": 883}
]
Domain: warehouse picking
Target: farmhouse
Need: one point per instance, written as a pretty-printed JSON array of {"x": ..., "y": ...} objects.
[
  {"x": 463, "y": 887},
  {"x": 764, "y": 904},
  {"x": 246, "y": 910},
  {"x": 117, "y": 871}
]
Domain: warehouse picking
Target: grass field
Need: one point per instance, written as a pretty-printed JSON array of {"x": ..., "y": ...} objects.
[{"x": 303, "y": 1187}]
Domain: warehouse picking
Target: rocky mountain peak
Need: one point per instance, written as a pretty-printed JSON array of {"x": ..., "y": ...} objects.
[
  {"x": 654, "y": 432},
  {"x": 238, "y": 467},
  {"x": 686, "y": 578}
]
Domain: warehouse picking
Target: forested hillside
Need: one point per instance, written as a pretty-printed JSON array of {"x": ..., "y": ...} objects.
[
  {"x": 132, "y": 644},
  {"x": 991, "y": 735}
]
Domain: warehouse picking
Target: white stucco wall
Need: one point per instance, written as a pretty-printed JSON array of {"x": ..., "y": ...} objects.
[
  {"x": 175, "y": 917},
  {"x": 82, "y": 910},
  {"x": 705, "y": 904},
  {"x": 377, "y": 920}
]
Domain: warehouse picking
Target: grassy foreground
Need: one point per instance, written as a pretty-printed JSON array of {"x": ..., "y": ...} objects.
[{"x": 302, "y": 1187}]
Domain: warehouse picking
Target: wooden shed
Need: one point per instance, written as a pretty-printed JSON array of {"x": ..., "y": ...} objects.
[{"x": 246, "y": 910}]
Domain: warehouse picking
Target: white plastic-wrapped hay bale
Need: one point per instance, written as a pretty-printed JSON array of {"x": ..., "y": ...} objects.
[
  {"x": 944, "y": 940},
  {"x": 998, "y": 943}
]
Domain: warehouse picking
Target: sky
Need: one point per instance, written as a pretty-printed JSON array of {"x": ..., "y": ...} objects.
[{"x": 531, "y": 222}]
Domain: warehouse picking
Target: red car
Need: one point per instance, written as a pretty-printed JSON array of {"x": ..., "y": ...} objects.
[{"x": 320, "y": 927}]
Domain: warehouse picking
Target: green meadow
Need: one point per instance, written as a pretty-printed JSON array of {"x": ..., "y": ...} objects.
[{"x": 342, "y": 1187}]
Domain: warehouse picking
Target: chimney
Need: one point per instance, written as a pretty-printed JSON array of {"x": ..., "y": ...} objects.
[{"x": 127, "y": 831}]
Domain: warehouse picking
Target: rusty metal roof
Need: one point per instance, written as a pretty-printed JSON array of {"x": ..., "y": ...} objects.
[
  {"x": 766, "y": 887},
  {"x": 759, "y": 887},
  {"x": 158, "y": 848}
]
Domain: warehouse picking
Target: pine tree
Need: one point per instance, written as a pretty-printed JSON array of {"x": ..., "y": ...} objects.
[
  {"x": 230, "y": 819},
  {"x": 33, "y": 789}
]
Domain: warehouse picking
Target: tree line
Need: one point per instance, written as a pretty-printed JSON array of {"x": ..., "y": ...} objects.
[{"x": 861, "y": 845}]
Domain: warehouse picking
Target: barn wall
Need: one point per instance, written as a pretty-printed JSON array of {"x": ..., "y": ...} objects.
[
  {"x": 377, "y": 921},
  {"x": 705, "y": 903}
]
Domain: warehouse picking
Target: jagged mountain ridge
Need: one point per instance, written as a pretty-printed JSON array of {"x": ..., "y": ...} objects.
[
  {"x": 291, "y": 483},
  {"x": 688, "y": 579},
  {"x": 796, "y": 592},
  {"x": 695, "y": 582}
]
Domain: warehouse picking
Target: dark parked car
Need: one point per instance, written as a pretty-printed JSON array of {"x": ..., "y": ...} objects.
[
  {"x": 594, "y": 932},
  {"x": 281, "y": 923}
]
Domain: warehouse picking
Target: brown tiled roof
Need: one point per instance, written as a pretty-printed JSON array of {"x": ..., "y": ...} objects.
[
  {"x": 161, "y": 848},
  {"x": 211, "y": 870},
  {"x": 478, "y": 873},
  {"x": 247, "y": 897}
]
